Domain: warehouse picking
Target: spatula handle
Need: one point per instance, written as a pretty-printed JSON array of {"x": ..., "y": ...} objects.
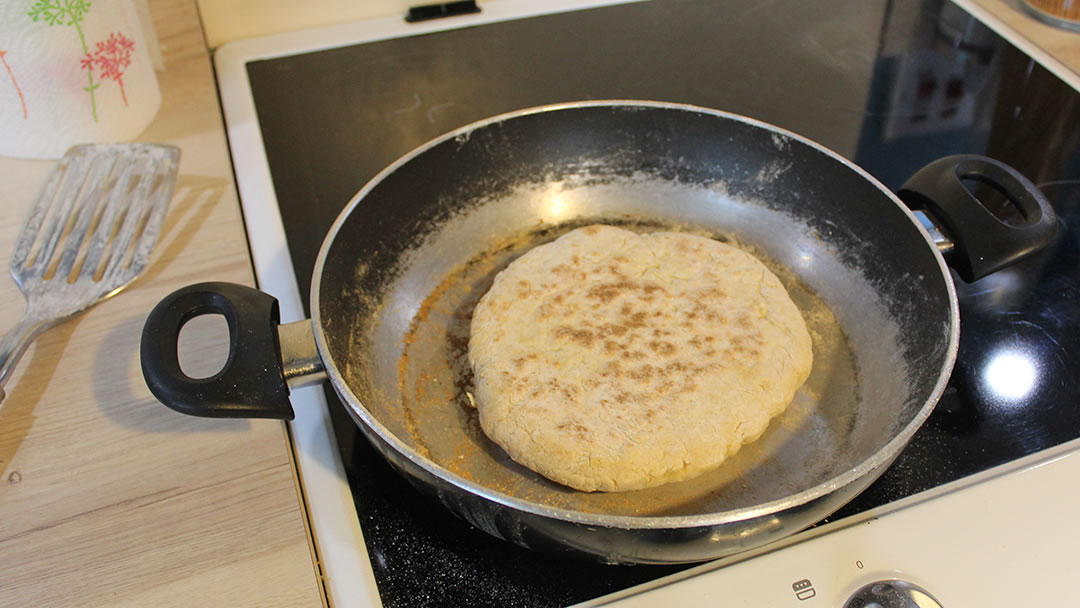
[{"x": 15, "y": 343}]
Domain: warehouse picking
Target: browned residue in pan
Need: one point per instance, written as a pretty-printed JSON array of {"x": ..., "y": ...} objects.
[{"x": 433, "y": 370}]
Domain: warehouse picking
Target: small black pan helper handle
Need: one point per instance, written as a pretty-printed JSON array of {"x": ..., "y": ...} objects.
[
  {"x": 252, "y": 382},
  {"x": 983, "y": 243}
]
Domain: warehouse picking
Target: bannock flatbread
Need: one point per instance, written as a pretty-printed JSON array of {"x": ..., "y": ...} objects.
[{"x": 610, "y": 360}]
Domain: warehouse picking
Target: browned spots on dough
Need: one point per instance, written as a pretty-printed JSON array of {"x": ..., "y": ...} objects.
[
  {"x": 677, "y": 367},
  {"x": 679, "y": 376},
  {"x": 576, "y": 260},
  {"x": 611, "y": 347},
  {"x": 612, "y": 370},
  {"x": 565, "y": 271},
  {"x": 633, "y": 354},
  {"x": 574, "y": 427},
  {"x": 744, "y": 342},
  {"x": 554, "y": 387},
  {"x": 606, "y": 292},
  {"x": 611, "y": 329},
  {"x": 642, "y": 374},
  {"x": 567, "y": 392},
  {"x": 520, "y": 361},
  {"x": 583, "y": 337},
  {"x": 745, "y": 352},
  {"x": 590, "y": 230},
  {"x": 662, "y": 347},
  {"x": 635, "y": 320},
  {"x": 550, "y": 307}
]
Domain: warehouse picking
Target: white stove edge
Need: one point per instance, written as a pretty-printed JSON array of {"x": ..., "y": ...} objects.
[
  {"x": 961, "y": 542},
  {"x": 342, "y": 555}
]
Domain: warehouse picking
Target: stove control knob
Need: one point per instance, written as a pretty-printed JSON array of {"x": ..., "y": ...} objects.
[{"x": 892, "y": 594}]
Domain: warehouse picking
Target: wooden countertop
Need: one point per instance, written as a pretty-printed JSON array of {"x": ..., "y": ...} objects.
[{"x": 106, "y": 496}]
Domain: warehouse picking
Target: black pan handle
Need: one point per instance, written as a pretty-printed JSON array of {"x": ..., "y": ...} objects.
[
  {"x": 983, "y": 243},
  {"x": 251, "y": 384}
]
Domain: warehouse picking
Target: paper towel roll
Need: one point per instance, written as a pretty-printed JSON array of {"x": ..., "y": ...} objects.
[{"x": 72, "y": 71}]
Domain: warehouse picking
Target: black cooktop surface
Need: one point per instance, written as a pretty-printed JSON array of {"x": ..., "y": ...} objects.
[{"x": 890, "y": 85}]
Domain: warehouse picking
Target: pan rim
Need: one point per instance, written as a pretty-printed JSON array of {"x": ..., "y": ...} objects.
[{"x": 877, "y": 461}]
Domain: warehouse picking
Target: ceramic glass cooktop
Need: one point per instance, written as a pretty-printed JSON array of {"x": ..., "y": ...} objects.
[{"x": 890, "y": 85}]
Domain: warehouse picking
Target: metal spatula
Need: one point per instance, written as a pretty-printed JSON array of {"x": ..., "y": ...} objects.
[{"x": 88, "y": 235}]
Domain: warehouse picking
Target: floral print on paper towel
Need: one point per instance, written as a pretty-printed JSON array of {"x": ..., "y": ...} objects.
[
  {"x": 111, "y": 57},
  {"x": 15, "y": 83},
  {"x": 68, "y": 13}
]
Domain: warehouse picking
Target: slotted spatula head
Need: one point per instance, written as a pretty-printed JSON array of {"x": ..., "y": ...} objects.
[{"x": 88, "y": 234}]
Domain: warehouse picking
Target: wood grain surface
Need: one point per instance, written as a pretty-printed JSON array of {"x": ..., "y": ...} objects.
[{"x": 106, "y": 496}]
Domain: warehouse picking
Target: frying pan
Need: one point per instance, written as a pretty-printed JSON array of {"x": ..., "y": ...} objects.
[{"x": 402, "y": 266}]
